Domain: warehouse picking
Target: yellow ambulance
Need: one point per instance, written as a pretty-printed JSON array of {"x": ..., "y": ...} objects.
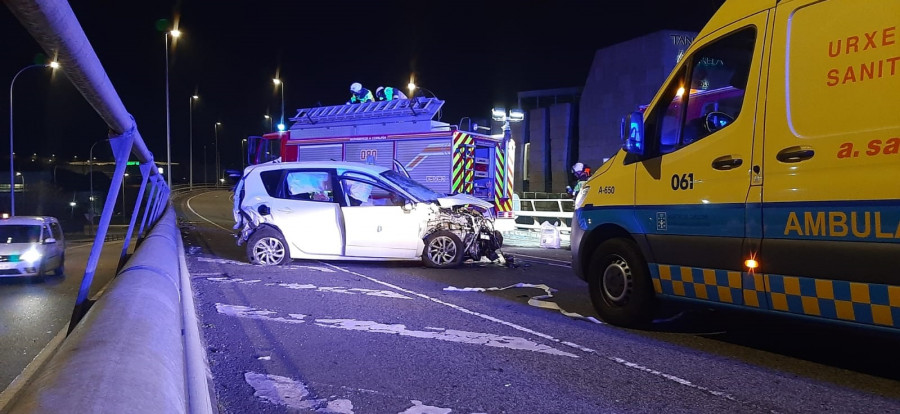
[{"x": 764, "y": 174}]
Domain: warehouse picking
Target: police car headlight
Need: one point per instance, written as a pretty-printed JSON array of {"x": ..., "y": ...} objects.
[
  {"x": 30, "y": 256},
  {"x": 582, "y": 194}
]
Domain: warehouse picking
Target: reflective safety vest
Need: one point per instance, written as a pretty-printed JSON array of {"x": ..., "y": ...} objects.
[{"x": 364, "y": 95}]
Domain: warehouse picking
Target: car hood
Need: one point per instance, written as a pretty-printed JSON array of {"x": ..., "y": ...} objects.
[
  {"x": 463, "y": 199},
  {"x": 16, "y": 248}
]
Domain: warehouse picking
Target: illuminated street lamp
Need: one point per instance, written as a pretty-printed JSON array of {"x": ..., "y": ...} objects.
[
  {"x": 12, "y": 189},
  {"x": 191, "y": 150},
  {"x": 278, "y": 82},
  {"x": 270, "y": 121},
  {"x": 18, "y": 174},
  {"x": 174, "y": 33}
]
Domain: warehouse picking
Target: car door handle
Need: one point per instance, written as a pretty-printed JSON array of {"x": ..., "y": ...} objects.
[
  {"x": 796, "y": 153},
  {"x": 727, "y": 162}
]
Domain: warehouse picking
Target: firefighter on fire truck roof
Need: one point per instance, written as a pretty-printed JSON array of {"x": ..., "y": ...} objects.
[{"x": 359, "y": 94}]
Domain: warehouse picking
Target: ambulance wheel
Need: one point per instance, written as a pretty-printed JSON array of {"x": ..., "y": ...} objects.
[
  {"x": 620, "y": 285},
  {"x": 267, "y": 247},
  {"x": 443, "y": 249}
]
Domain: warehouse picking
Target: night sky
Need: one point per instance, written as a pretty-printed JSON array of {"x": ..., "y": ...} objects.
[{"x": 473, "y": 54}]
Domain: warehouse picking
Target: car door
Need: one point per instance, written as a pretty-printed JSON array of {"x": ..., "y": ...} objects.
[
  {"x": 51, "y": 250},
  {"x": 306, "y": 213},
  {"x": 691, "y": 190},
  {"x": 378, "y": 220}
]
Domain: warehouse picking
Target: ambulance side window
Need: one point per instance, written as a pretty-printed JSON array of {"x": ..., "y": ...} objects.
[{"x": 706, "y": 95}]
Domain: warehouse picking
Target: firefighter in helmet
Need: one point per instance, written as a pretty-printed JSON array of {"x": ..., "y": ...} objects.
[
  {"x": 358, "y": 94},
  {"x": 388, "y": 93}
]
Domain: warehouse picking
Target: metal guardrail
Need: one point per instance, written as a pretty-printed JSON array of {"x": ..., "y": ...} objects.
[{"x": 558, "y": 211}]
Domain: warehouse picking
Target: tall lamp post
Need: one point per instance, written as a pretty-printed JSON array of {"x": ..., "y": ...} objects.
[
  {"x": 191, "y": 150},
  {"x": 216, "y": 132},
  {"x": 278, "y": 82},
  {"x": 91, "y": 179},
  {"x": 174, "y": 33},
  {"x": 270, "y": 122},
  {"x": 12, "y": 186}
]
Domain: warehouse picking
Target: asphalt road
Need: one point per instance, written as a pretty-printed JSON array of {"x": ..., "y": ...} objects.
[
  {"x": 395, "y": 337},
  {"x": 34, "y": 310}
]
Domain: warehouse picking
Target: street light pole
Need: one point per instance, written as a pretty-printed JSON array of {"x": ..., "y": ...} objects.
[
  {"x": 270, "y": 122},
  {"x": 191, "y": 151},
  {"x": 91, "y": 179},
  {"x": 174, "y": 33},
  {"x": 12, "y": 186},
  {"x": 278, "y": 81},
  {"x": 216, "y": 132}
]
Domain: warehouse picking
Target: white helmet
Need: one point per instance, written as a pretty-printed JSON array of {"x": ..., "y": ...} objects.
[
  {"x": 355, "y": 87},
  {"x": 578, "y": 167}
]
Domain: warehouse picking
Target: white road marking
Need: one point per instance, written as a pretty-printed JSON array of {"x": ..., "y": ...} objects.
[
  {"x": 235, "y": 262},
  {"x": 621, "y": 361},
  {"x": 233, "y": 280},
  {"x": 293, "y": 394},
  {"x": 188, "y": 204},
  {"x": 442, "y": 334},
  {"x": 305, "y": 286},
  {"x": 252, "y": 313},
  {"x": 419, "y": 408},
  {"x": 449, "y": 335},
  {"x": 536, "y": 301}
]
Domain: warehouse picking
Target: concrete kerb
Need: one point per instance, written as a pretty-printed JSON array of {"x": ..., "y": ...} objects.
[{"x": 128, "y": 353}]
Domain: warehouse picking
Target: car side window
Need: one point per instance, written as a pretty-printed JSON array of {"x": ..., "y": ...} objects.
[
  {"x": 307, "y": 186},
  {"x": 363, "y": 193},
  {"x": 56, "y": 231},
  {"x": 706, "y": 94}
]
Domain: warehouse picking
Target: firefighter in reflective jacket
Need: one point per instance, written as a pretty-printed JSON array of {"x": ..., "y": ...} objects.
[
  {"x": 359, "y": 94},
  {"x": 388, "y": 93}
]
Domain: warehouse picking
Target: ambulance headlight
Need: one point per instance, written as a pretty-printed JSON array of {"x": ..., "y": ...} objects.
[
  {"x": 30, "y": 256},
  {"x": 582, "y": 194}
]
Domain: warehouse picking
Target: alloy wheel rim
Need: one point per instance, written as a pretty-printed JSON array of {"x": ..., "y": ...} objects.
[
  {"x": 268, "y": 251},
  {"x": 442, "y": 250}
]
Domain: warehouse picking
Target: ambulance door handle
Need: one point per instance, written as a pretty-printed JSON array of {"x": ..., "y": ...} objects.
[
  {"x": 796, "y": 153},
  {"x": 727, "y": 162}
]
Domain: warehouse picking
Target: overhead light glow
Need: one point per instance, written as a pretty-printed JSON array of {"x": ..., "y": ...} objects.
[
  {"x": 751, "y": 264},
  {"x": 281, "y": 127}
]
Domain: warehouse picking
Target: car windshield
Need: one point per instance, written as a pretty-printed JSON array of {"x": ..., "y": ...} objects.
[
  {"x": 20, "y": 233},
  {"x": 412, "y": 187}
]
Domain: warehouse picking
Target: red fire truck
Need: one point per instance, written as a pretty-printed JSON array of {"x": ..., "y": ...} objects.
[{"x": 400, "y": 134}]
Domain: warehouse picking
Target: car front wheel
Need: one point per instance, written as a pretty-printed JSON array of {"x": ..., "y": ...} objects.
[
  {"x": 267, "y": 247},
  {"x": 620, "y": 285},
  {"x": 442, "y": 249}
]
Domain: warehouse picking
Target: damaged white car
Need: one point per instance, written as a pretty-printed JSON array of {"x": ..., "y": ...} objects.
[{"x": 355, "y": 211}]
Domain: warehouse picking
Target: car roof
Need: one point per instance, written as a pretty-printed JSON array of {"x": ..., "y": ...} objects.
[
  {"x": 356, "y": 166},
  {"x": 33, "y": 220}
]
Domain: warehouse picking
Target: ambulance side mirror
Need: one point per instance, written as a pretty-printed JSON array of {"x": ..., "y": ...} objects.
[{"x": 633, "y": 133}]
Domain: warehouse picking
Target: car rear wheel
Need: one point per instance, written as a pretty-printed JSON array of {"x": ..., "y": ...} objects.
[
  {"x": 620, "y": 285},
  {"x": 442, "y": 249},
  {"x": 267, "y": 247}
]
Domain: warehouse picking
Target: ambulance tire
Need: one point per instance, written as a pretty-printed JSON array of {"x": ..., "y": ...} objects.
[
  {"x": 620, "y": 285},
  {"x": 267, "y": 247}
]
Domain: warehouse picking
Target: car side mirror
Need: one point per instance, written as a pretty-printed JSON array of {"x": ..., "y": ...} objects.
[
  {"x": 49, "y": 240},
  {"x": 632, "y": 133}
]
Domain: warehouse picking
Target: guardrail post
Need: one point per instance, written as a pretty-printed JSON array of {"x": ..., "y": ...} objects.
[
  {"x": 121, "y": 147},
  {"x": 145, "y": 174},
  {"x": 151, "y": 201}
]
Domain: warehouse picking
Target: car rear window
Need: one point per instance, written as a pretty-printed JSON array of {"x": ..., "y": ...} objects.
[{"x": 270, "y": 180}]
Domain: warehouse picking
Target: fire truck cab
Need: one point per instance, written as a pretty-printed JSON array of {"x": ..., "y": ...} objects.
[{"x": 401, "y": 134}]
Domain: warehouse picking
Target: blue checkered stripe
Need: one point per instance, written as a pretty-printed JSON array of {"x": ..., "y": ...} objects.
[
  {"x": 716, "y": 285},
  {"x": 869, "y": 303}
]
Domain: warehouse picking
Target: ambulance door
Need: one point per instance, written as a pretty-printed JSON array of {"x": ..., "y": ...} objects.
[
  {"x": 831, "y": 200},
  {"x": 691, "y": 189}
]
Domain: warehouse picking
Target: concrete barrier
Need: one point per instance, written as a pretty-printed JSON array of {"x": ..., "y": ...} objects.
[{"x": 128, "y": 354}]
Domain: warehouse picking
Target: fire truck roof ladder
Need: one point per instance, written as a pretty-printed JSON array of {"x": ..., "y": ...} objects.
[{"x": 397, "y": 110}]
